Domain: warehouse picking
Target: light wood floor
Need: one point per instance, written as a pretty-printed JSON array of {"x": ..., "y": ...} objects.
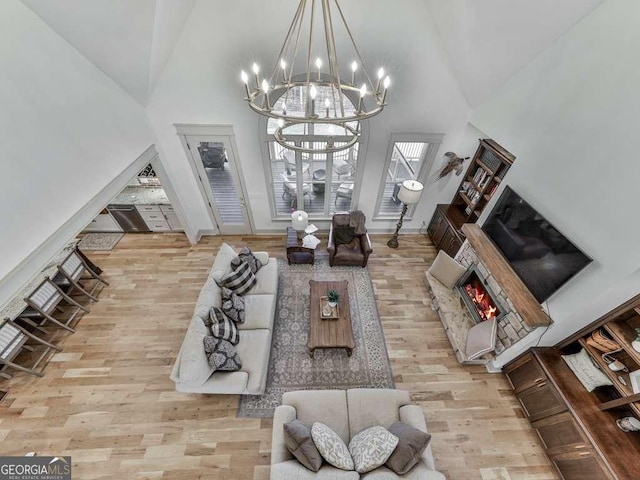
[{"x": 107, "y": 399}]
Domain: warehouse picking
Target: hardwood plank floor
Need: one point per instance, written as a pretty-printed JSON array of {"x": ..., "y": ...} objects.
[{"x": 107, "y": 399}]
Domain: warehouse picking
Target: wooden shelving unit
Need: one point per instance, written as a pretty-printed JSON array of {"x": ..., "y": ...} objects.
[{"x": 490, "y": 164}]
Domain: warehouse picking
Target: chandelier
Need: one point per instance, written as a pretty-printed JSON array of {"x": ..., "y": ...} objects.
[{"x": 311, "y": 97}]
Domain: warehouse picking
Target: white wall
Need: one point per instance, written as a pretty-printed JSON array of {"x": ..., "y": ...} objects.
[
  {"x": 200, "y": 84},
  {"x": 571, "y": 119},
  {"x": 66, "y": 131}
]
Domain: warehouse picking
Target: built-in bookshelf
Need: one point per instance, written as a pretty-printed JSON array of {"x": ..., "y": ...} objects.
[{"x": 490, "y": 164}]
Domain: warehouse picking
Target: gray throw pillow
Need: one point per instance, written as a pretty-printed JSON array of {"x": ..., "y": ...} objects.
[
  {"x": 342, "y": 235},
  {"x": 233, "y": 305},
  {"x": 247, "y": 256},
  {"x": 221, "y": 354},
  {"x": 297, "y": 438},
  {"x": 481, "y": 339},
  {"x": 411, "y": 443},
  {"x": 446, "y": 270}
]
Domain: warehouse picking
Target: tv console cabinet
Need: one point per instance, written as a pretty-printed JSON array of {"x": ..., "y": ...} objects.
[{"x": 578, "y": 429}]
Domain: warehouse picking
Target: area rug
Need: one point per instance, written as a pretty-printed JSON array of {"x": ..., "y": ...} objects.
[
  {"x": 291, "y": 367},
  {"x": 100, "y": 241}
]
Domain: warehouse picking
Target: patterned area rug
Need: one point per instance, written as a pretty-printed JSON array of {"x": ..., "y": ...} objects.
[
  {"x": 100, "y": 241},
  {"x": 291, "y": 367}
]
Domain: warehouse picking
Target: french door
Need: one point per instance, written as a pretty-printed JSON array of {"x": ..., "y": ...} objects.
[{"x": 218, "y": 171}]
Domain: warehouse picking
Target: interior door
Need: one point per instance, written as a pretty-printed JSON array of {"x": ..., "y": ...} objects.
[{"x": 219, "y": 174}]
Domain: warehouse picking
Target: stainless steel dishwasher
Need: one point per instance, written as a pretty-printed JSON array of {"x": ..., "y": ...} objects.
[{"x": 128, "y": 218}]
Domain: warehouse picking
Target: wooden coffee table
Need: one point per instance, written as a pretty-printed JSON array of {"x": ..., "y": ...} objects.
[{"x": 335, "y": 333}]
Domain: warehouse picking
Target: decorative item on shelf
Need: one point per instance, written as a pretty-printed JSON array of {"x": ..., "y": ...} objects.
[
  {"x": 333, "y": 297},
  {"x": 628, "y": 424},
  {"x": 299, "y": 221},
  {"x": 636, "y": 343},
  {"x": 635, "y": 381},
  {"x": 409, "y": 193},
  {"x": 311, "y": 98},
  {"x": 601, "y": 342}
]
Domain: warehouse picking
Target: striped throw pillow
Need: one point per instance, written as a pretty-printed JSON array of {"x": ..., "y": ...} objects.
[
  {"x": 222, "y": 326},
  {"x": 240, "y": 280}
]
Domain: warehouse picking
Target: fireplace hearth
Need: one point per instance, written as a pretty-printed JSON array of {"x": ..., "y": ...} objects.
[{"x": 478, "y": 297}]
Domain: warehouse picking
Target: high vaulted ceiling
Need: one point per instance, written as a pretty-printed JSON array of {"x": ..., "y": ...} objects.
[{"x": 486, "y": 41}]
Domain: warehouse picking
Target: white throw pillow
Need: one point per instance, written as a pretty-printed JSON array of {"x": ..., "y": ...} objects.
[
  {"x": 481, "y": 339},
  {"x": 446, "y": 270},
  {"x": 331, "y": 446},
  {"x": 588, "y": 374},
  {"x": 371, "y": 448}
]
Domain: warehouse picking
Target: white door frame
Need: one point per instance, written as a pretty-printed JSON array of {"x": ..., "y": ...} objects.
[{"x": 223, "y": 134}]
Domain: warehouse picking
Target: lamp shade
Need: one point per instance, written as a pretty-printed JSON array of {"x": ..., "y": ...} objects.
[
  {"x": 299, "y": 220},
  {"x": 410, "y": 192}
]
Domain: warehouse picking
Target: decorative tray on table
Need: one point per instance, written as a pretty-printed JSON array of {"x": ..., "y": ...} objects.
[{"x": 327, "y": 312}]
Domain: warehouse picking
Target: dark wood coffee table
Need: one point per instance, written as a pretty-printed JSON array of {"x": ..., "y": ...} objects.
[{"x": 334, "y": 333}]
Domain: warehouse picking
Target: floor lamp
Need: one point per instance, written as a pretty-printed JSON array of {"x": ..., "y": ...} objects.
[{"x": 409, "y": 193}]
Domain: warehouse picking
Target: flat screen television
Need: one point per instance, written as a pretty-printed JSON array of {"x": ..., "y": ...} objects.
[{"x": 543, "y": 258}]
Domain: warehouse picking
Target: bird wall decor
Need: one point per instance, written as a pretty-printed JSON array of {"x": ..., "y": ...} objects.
[{"x": 454, "y": 163}]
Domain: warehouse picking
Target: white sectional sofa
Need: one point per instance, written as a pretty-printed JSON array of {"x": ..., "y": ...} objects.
[{"x": 192, "y": 372}]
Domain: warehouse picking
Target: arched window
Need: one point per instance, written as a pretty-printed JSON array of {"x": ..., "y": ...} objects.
[{"x": 318, "y": 183}]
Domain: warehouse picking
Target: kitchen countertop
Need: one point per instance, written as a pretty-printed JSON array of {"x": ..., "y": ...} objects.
[{"x": 141, "y": 196}]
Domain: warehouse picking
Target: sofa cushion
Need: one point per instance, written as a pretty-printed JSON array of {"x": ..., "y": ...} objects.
[
  {"x": 331, "y": 446},
  {"x": 419, "y": 472},
  {"x": 194, "y": 368},
  {"x": 254, "y": 351},
  {"x": 222, "y": 264},
  {"x": 222, "y": 354},
  {"x": 446, "y": 270},
  {"x": 267, "y": 279},
  {"x": 297, "y": 438},
  {"x": 481, "y": 339},
  {"x": 245, "y": 255},
  {"x": 293, "y": 470},
  {"x": 259, "y": 311},
  {"x": 240, "y": 280},
  {"x": 371, "y": 448},
  {"x": 364, "y": 407},
  {"x": 326, "y": 406},
  {"x": 222, "y": 326},
  {"x": 411, "y": 443},
  {"x": 233, "y": 305},
  {"x": 210, "y": 294}
]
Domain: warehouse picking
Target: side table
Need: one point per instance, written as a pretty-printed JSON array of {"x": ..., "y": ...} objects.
[{"x": 296, "y": 253}]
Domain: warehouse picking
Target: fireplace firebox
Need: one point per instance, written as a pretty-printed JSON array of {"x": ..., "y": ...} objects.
[{"x": 478, "y": 297}]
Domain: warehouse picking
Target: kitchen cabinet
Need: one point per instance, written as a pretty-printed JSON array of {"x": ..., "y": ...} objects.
[
  {"x": 159, "y": 218},
  {"x": 104, "y": 222}
]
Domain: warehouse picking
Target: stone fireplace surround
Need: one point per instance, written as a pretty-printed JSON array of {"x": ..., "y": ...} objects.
[{"x": 511, "y": 327}]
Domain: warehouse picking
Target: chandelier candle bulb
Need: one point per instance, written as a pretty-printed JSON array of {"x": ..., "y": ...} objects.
[
  {"x": 318, "y": 66},
  {"x": 327, "y": 104},
  {"x": 283, "y": 66},
  {"x": 363, "y": 92},
  {"x": 380, "y": 75},
  {"x": 354, "y": 67},
  {"x": 245, "y": 80},
  {"x": 387, "y": 82},
  {"x": 256, "y": 71},
  {"x": 265, "y": 89},
  {"x": 313, "y": 92}
]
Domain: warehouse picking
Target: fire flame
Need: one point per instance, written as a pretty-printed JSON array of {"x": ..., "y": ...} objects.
[{"x": 485, "y": 307}]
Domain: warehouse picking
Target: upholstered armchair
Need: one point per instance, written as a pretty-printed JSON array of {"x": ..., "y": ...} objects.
[{"x": 349, "y": 243}]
